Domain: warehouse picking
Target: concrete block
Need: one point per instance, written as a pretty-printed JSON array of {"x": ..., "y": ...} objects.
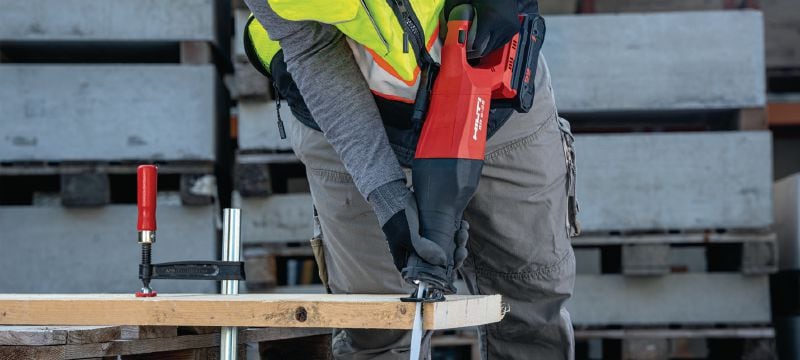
[
  {"x": 107, "y": 20},
  {"x": 85, "y": 189},
  {"x": 668, "y": 181},
  {"x": 657, "y": 61},
  {"x": 60, "y": 250},
  {"x": 701, "y": 298},
  {"x": 276, "y": 218},
  {"x": 258, "y": 129},
  {"x": 107, "y": 112},
  {"x": 782, "y": 18},
  {"x": 787, "y": 221}
]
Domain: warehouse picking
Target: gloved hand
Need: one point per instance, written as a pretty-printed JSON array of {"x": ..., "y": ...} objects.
[
  {"x": 416, "y": 257},
  {"x": 495, "y": 23}
]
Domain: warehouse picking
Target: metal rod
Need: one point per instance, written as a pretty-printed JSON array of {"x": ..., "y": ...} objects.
[{"x": 231, "y": 244}]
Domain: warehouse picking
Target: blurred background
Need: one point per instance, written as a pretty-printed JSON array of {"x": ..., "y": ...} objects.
[{"x": 687, "y": 122}]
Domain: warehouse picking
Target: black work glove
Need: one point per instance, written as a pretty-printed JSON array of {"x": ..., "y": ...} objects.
[
  {"x": 495, "y": 23},
  {"x": 419, "y": 258}
]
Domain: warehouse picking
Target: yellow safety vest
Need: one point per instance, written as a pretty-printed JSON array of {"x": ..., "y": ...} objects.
[{"x": 379, "y": 43}]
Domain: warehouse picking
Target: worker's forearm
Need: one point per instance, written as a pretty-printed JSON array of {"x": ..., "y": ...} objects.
[{"x": 337, "y": 96}]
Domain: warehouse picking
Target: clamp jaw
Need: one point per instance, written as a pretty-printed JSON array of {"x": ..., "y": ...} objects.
[{"x": 147, "y": 187}]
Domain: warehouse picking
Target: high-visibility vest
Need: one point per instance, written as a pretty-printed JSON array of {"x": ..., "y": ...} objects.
[{"x": 383, "y": 49}]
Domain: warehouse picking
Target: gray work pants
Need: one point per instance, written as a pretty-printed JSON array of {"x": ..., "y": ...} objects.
[{"x": 519, "y": 247}]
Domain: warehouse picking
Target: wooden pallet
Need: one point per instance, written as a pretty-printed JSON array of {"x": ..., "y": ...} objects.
[
  {"x": 89, "y": 183},
  {"x": 146, "y": 342},
  {"x": 748, "y": 252},
  {"x": 270, "y": 265},
  {"x": 259, "y": 174}
]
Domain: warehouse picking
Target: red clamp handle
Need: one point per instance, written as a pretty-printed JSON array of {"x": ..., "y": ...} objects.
[{"x": 147, "y": 186}]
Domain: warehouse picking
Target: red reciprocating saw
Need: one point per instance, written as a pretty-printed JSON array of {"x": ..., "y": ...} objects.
[{"x": 451, "y": 148}]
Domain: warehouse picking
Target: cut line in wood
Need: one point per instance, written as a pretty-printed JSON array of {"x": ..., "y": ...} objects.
[{"x": 250, "y": 310}]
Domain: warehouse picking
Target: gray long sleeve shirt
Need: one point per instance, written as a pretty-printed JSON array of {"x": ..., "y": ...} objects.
[{"x": 340, "y": 101}]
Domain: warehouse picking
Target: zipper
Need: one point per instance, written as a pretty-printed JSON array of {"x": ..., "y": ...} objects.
[
  {"x": 412, "y": 31},
  {"x": 375, "y": 26}
]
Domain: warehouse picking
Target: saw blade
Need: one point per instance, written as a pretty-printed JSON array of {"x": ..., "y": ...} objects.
[{"x": 416, "y": 330}]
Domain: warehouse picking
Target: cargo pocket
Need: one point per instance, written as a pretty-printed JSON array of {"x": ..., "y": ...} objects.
[
  {"x": 573, "y": 226},
  {"x": 319, "y": 252}
]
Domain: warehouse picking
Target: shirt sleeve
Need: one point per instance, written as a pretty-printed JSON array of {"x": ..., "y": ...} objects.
[{"x": 338, "y": 97}]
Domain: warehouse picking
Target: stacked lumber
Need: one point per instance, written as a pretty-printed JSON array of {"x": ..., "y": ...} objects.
[
  {"x": 151, "y": 342},
  {"x": 99, "y": 87},
  {"x": 674, "y": 178}
]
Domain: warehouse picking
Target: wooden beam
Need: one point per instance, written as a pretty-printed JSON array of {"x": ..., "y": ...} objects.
[
  {"x": 148, "y": 346},
  {"x": 252, "y": 310}
]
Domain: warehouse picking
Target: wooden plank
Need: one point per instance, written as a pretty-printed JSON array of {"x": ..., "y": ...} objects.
[
  {"x": 101, "y": 112},
  {"x": 147, "y": 332},
  {"x": 708, "y": 180},
  {"x": 271, "y": 310},
  {"x": 134, "y": 347},
  {"x": 95, "y": 249},
  {"x": 712, "y": 60},
  {"x": 57, "y": 335},
  {"x": 107, "y": 20},
  {"x": 784, "y": 110},
  {"x": 693, "y": 298}
]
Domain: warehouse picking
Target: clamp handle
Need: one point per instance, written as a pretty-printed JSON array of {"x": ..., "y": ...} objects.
[{"x": 147, "y": 186}]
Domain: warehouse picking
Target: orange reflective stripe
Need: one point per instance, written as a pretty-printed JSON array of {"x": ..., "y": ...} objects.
[
  {"x": 389, "y": 69},
  {"x": 392, "y": 97}
]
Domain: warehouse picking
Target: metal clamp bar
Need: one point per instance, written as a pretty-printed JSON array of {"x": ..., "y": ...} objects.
[{"x": 231, "y": 245}]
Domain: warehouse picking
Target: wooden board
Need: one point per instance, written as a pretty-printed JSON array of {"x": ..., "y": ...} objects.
[
  {"x": 57, "y": 335},
  {"x": 258, "y": 310},
  {"x": 657, "y": 61},
  {"x": 108, "y": 112},
  {"x": 148, "y": 346},
  {"x": 707, "y": 180},
  {"x": 783, "y": 110},
  {"x": 107, "y": 20}
]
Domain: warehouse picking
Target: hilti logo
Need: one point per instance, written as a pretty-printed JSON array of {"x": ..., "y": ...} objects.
[{"x": 480, "y": 107}]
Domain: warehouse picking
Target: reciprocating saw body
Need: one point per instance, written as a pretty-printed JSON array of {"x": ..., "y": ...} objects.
[{"x": 451, "y": 148}]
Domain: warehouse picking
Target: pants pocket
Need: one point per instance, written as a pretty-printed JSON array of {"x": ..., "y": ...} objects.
[
  {"x": 319, "y": 252},
  {"x": 573, "y": 225}
]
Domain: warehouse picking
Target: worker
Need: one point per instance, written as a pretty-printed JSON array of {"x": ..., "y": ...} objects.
[{"x": 350, "y": 71}]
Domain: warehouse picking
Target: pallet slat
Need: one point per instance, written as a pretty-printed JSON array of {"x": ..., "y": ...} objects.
[
  {"x": 108, "y": 20},
  {"x": 657, "y": 61},
  {"x": 101, "y": 112},
  {"x": 704, "y": 298},
  {"x": 88, "y": 250},
  {"x": 675, "y": 181}
]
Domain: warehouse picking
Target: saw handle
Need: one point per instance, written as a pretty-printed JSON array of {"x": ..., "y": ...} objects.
[{"x": 146, "y": 188}]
